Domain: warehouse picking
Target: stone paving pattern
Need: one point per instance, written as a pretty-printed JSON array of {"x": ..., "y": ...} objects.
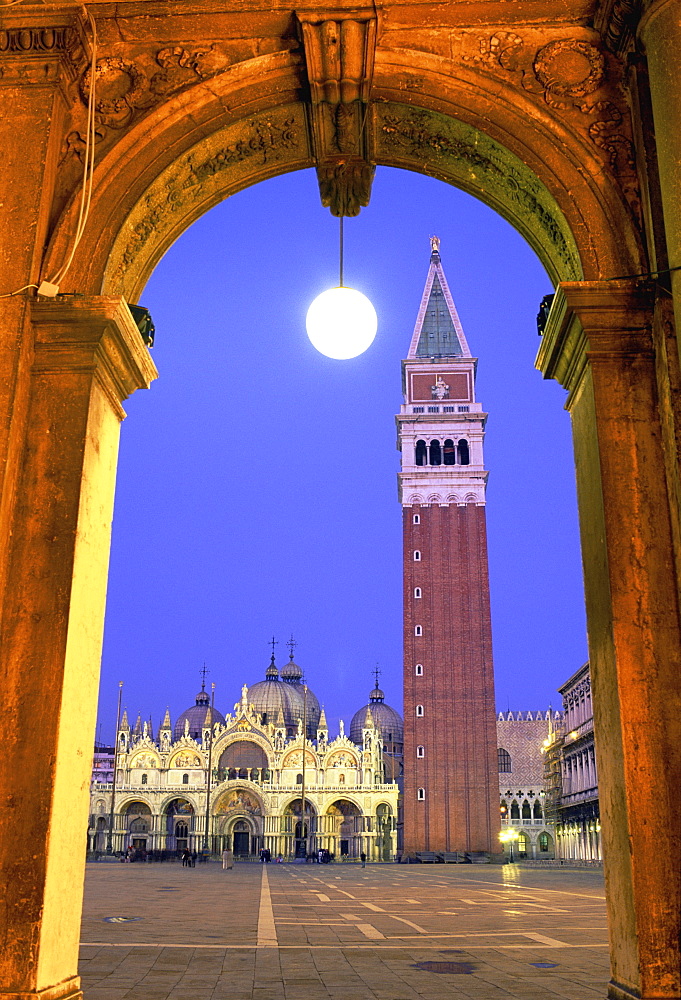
[{"x": 342, "y": 932}]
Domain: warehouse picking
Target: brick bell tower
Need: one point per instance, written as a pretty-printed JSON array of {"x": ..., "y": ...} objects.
[{"x": 451, "y": 783}]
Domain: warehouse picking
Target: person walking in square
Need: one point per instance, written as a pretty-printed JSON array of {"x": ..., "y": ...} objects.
[
  {"x": 363, "y": 859},
  {"x": 227, "y": 859}
]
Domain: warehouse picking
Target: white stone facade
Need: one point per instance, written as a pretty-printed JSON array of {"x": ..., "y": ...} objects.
[{"x": 162, "y": 791}]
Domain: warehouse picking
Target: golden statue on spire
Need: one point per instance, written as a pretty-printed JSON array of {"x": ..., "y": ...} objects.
[{"x": 434, "y": 244}]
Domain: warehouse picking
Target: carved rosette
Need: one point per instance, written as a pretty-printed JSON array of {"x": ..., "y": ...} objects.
[
  {"x": 580, "y": 81},
  {"x": 126, "y": 88},
  {"x": 339, "y": 56}
]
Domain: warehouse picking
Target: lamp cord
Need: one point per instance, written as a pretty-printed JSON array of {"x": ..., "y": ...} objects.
[{"x": 341, "y": 250}]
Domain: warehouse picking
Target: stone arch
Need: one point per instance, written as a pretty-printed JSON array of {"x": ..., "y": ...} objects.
[
  {"x": 177, "y": 796},
  {"x": 491, "y": 140}
]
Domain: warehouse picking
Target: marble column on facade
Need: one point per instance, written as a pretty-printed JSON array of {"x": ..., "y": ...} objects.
[
  {"x": 598, "y": 343},
  {"x": 87, "y": 357}
]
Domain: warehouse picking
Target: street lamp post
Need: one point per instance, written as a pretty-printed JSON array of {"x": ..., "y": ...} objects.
[{"x": 509, "y": 837}]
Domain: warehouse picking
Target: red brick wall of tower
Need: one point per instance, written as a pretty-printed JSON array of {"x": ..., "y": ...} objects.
[{"x": 459, "y": 769}]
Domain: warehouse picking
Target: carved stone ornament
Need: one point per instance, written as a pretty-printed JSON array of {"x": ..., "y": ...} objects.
[
  {"x": 576, "y": 77},
  {"x": 346, "y": 187},
  {"x": 569, "y": 68},
  {"x": 126, "y": 89},
  {"x": 455, "y": 151},
  {"x": 339, "y": 51},
  {"x": 223, "y": 161},
  {"x": 32, "y": 54}
]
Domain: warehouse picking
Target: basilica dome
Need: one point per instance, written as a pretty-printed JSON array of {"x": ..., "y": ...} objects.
[
  {"x": 274, "y": 696},
  {"x": 197, "y": 717},
  {"x": 386, "y": 719}
]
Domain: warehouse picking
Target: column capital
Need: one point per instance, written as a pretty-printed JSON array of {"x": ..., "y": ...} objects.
[
  {"x": 93, "y": 334},
  {"x": 592, "y": 321}
]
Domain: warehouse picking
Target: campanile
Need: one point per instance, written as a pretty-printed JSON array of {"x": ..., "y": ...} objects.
[{"x": 451, "y": 785}]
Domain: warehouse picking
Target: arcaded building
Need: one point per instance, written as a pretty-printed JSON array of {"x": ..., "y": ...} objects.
[{"x": 250, "y": 775}]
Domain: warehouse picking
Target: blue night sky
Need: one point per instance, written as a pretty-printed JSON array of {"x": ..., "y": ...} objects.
[{"x": 257, "y": 480}]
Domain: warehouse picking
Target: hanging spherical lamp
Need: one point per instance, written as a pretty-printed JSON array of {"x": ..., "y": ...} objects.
[{"x": 341, "y": 322}]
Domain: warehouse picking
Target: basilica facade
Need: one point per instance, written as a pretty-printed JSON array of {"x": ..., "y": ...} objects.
[{"x": 266, "y": 776}]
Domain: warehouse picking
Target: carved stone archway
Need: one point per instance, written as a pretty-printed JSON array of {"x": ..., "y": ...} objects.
[{"x": 531, "y": 116}]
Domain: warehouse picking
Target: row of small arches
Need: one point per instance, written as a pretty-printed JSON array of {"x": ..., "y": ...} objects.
[
  {"x": 448, "y": 452},
  {"x": 525, "y": 812},
  {"x": 439, "y": 499}
]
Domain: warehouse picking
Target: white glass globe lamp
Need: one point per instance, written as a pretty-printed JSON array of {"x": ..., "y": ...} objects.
[{"x": 341, "y": 323}]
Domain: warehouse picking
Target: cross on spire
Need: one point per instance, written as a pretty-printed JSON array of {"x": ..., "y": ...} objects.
[
  {"x": 377, "y": 674},
  {"x": 273, "y": 642},
  {"x": 291, "y": 646},
  {"x": 204, "y": 670}
]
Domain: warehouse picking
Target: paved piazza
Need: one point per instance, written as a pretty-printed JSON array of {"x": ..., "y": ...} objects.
[{"x": 307, "y": 932}]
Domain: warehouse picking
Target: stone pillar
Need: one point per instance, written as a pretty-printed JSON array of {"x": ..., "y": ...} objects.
[
  {"x": 38, "y": 66},
  {"x": 660, "y": 33},
  {"x": 87, "y": 357},
  {"x": 598, "y": 344}
]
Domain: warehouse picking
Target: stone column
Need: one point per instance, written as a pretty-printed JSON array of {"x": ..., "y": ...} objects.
[
  {"x": 660, "y": 33},
  {"x": 598, "y": 344},
  {"x": 87, "y": 357}
]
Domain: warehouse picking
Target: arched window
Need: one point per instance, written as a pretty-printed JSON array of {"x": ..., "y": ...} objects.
[
  {"x": 537, "y": 810},
  {"x": 419, "y": 710},
  {"x": 417, "y": 592},
  {"x": 464, "y": 453},
  {"x": 144, "y": 779},
  {"x": 503, "y": 811},
  {"x": 527, "y": 812},
  {"x": 181, "y": 830},
  {"x": 299, "y": 779},
  {"x": 420, "y": 752},
  {"x": 421, "y": 456},
  {"x": 417, "y": 556},
  {"x": 449, "y": 452},
  {"x": 504, "y": 761},
  {"x": 515, "y": 810},
  {"x": 435, "y": 452},
  {"x": 543, "y": 841},
  {"x": 185, "y": 779},
  {"x": 418, "y": 670},
  {"x": 416, "y": 519},
  {"x": 421, "y": 794},
  {"x": 418, "y": 630}
]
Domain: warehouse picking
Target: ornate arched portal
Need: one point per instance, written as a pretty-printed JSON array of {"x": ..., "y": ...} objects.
[{"x": 531, "y": 117}]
